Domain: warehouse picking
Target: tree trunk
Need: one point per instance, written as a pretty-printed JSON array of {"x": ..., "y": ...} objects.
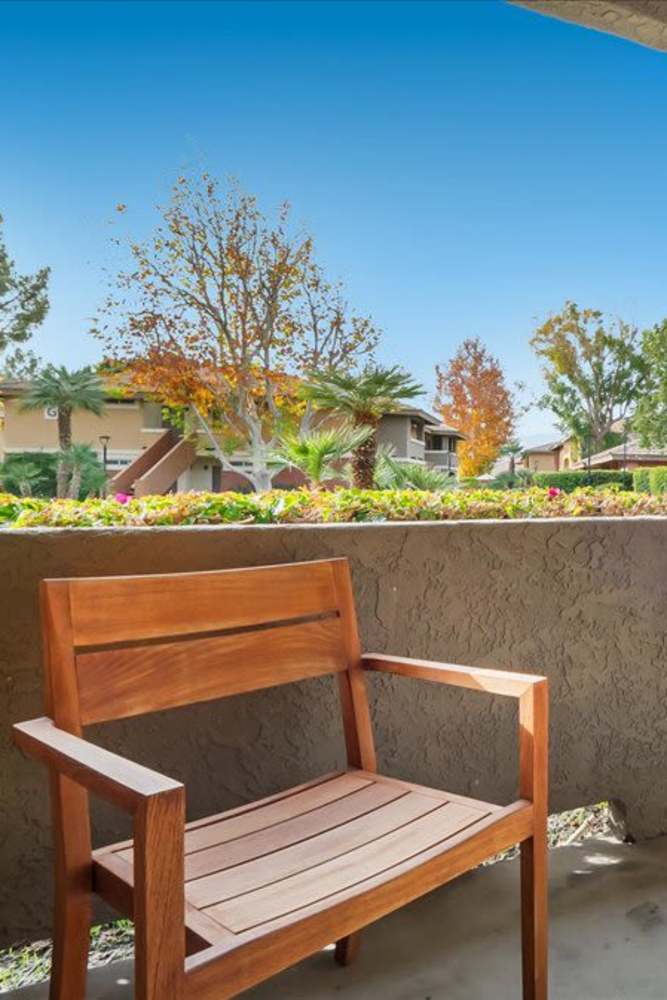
[
  {"x": 61, "y": 479},
  {"x": 363, "y": 462},
  {"x": 512, "y": 465},
  {"x": 75, "y": 484},
  {"x": 65, "y": 442},
  {"x": 219, "y": 453},
  {"x": 64, "y": 428},
  {"x": 261, "y": 474}
]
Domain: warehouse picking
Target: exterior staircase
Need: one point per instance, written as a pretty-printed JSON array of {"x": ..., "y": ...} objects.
[{"x": 156, "y": 469}]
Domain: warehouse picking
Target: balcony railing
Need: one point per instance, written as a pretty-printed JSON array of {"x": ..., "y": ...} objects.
[{"x": 441, "y": 459}]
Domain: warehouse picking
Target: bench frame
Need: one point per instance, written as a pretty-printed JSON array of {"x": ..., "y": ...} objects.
[{"x": 157, "y": 803}]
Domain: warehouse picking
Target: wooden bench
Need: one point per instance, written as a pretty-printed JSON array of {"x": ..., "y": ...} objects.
[{"x": 253, "y": 890}]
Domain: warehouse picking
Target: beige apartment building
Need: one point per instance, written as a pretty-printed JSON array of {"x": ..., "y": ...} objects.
[
  {"x": 559, "y": 456},
  {"x": 131, "y": 425},
  {"x": 145, "y": 456}
]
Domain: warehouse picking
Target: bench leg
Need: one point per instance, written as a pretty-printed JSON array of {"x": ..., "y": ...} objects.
[
  {"x": 534, "y": 919},
  {"x": 73, "y": 891},
  {"x": 347, "y": 949},
  {"x": 71, "y": 941}
]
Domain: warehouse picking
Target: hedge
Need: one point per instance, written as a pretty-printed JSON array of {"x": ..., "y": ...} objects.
[
  {"x": 309, "y": 507},
  {"x": 657, "y": 479},
  {"x": 574, "y": 479},
  {"x": 640, "y": 480}
]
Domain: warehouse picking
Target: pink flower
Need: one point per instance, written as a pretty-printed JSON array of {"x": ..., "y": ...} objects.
[
  {"x": 122, "y": 497},
  {"x": 554, "y": 491}
]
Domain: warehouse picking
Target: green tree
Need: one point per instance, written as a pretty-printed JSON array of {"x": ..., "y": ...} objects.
[
  {"x": 67, "y": 392},
  {"x": 513, "y": 449},
  {"x": 593, "y": 369},
  {"x": 650, "y": 418},
  {"x": 315, "y": 452},
  {"x": 223, "y": 310},
  {"x": 364, "y": 398},
  {"x": 24, "y": 303},
  {"x": 21, "y": 476},
  {"x": 85, "y": 471}
]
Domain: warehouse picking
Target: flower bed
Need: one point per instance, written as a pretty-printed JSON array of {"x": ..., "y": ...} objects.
[{"x": 305, "y": 506}]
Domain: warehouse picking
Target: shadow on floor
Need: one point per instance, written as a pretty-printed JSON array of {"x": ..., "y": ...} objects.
[{"x": 608, "y": 939}]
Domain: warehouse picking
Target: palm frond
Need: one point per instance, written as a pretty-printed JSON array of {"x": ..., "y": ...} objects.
[
  {"x": 315, "y": 452},
  {"x": 58, "y": 387},
  {"x": 365, "y": 396},
  {"x": 395, "y": 474}
]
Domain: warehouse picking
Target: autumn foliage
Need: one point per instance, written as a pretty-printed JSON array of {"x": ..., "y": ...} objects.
[
  {"x": 473, "y": 397},
  {"x": 223, "y": 310}
]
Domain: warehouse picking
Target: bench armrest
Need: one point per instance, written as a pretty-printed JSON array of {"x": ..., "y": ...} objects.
[
  {"x": 477, "y": 678},
  {"x": 119, "y": 781},
  {"x": 531, "y": 691}
]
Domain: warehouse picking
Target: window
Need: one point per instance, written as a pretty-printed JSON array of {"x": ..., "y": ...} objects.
[{"x": 416, "y": 430}]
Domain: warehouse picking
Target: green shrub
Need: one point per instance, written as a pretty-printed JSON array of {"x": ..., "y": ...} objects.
[
  {"x": 657, "y": 479},
  {"x": 574, "y": 479},
  {"x": 640, "y": 480},
  {"x": 323, "y": 507}
]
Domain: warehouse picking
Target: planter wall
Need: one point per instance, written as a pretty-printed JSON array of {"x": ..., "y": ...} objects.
[{"x": 582, "y": 601}]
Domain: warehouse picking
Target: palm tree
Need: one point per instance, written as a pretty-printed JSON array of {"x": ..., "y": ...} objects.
[
  {"x": 66, "y": 392},
  {"x": 81, "y": 465},
  {"x": 20, "y": 475},
  {"x": 315, "y": 452},
  {"x": 512, "y": 449},
  {"x": 364, "y": 398}
]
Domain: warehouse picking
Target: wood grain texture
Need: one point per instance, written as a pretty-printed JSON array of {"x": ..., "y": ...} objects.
[
  {"x": 146, "y": 607},
  {"x": 122, "y": 682},
  {"x": 502, "y": 682},
  {"x": 311, "y": 852},
  {"x": 291, "y": 833},
  {"x": 357, "y": 724},
  {"x": 293, "y": 843},
  {"x": 250, "y": 891},
  {"x": 534, "y": 779},
  {"x": 114, "y": 778},
  {"x": 159, "y": 898},
  {"x": 225, "y": 970},
  {"x": 69, "y": 810}
]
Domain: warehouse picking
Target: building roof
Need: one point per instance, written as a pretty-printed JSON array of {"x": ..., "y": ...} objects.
[
  {"x": 542, "y": 449},
  {"x": 443, "y": 429},
  {"x": 431, "y": 421},
  {"x": 413, "y": 411},
  {"x": 629, "y": 452}
]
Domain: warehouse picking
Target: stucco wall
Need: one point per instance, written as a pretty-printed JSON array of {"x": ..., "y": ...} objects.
[
  {"x": 130, "y": 425},
  {"x": 394, "y": 431},
  {"x": 581, "y": 601}
]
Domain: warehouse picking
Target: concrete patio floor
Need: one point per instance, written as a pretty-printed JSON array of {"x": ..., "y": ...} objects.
[{"x": 608, "y": 938}]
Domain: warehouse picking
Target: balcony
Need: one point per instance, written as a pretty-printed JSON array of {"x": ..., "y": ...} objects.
[
  {"x": 587, "y": 609},
  {"x": 441, "y": 459}
]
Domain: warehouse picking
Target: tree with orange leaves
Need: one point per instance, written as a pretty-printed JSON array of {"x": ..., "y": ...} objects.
[
  {"x": 473, "y": 397},
  {"x": 222, "y": 312}
]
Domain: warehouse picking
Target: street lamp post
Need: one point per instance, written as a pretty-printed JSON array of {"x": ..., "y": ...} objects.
[{"x": 104, "y": 441}]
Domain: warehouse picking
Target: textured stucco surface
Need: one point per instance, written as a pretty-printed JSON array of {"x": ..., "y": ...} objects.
[
  {"x": 643, "y": 21},
  {"x": 581, "y": 601}
]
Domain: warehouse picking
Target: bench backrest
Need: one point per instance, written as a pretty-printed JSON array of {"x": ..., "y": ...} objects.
[{"x": 123, "y": 646}]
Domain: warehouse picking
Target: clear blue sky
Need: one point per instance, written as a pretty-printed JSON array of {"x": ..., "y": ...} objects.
[{"x": 464, "y": 166}]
